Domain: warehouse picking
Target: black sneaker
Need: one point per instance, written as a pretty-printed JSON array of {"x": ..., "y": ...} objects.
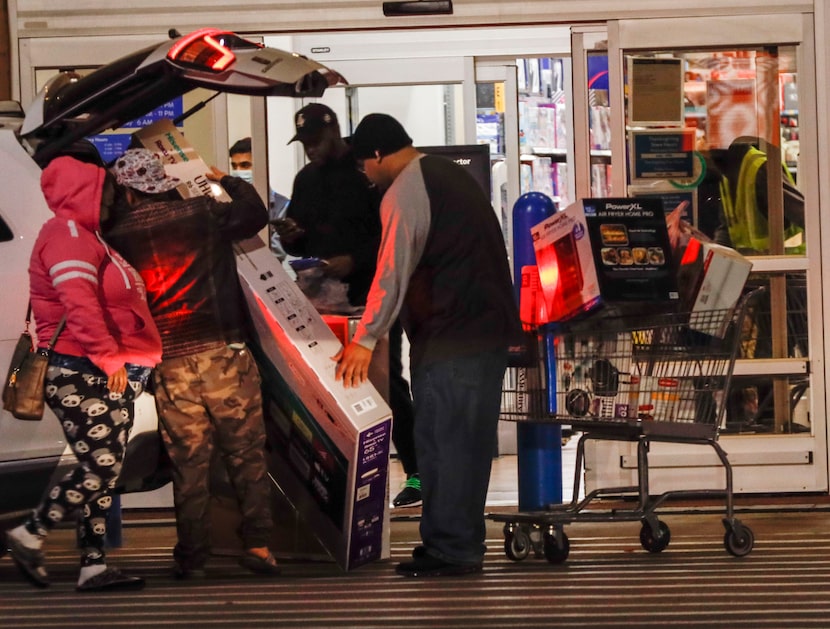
[
  {"x": 425, "y": 565},
  {"x": 410, "y": 495},
  {"x": 29, "y": 561},
  {"x": 111, "y": 579},
  {"x": 185, "y": 573}
]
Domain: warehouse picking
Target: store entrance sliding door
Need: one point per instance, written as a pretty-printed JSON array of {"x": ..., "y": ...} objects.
[{"x": 738, "y": 92}]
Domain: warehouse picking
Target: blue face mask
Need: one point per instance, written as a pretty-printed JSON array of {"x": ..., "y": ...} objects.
[{"x": 247, "y": 175}]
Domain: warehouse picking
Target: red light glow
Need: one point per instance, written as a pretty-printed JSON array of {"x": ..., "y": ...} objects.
[
  {"x": 226, "y": 57},
  {"x": 202, "y": 48}
]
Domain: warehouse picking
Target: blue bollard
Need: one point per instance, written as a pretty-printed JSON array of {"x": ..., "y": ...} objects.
[
  {"x": 530, "y": 209},
  {"x": 539, "y": 465},
  {"x": 539, "y": 445}
]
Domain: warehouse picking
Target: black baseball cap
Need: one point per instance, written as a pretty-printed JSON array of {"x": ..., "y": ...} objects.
[
  {"x": 310, "y": 121},
  {"x": 381, "y": 133}
]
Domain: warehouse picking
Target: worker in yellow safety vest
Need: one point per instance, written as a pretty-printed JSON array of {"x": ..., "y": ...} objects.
[{"x": 745, "y": 201}]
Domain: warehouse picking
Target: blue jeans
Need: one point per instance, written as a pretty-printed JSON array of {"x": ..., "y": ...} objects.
[{"x": 456, "y": 420}]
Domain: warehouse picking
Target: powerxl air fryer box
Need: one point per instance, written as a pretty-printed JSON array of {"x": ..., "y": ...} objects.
[
  {"x": 605, "y": 252},
  {"x": 633, "y": 257}
]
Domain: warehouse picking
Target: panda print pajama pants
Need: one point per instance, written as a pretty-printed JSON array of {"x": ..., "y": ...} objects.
[{"x": 97, "y": 424}]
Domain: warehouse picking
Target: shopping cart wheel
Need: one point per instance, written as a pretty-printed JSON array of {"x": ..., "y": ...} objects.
[
  {"x": 553, "y": 553},
  {"x": 517, "y": 544},
  {"x": 655, "y": 543},
  {"x": 738, "y": 540}
]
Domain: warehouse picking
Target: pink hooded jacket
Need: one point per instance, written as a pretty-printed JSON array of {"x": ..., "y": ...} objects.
[{"x": 72, "y": 271}]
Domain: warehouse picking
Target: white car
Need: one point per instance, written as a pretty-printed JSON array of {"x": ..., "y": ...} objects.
[{"x": 33, "y": 454}]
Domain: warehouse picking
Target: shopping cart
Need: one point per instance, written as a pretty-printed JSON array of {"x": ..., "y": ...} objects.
[{"x": 645, "y": 379}]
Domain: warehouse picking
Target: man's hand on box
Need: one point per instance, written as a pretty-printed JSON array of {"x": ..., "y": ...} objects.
[{"x": 352, "y": 364}]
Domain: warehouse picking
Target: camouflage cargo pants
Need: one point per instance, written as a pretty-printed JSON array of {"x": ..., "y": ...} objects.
[{"x": 212, "y": 401}]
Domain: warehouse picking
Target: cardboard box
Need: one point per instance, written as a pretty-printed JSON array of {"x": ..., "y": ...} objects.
[
  {"x": 334, "y": 465},
  {"x": 344, "y": 328},
  {"x": 711, "y": 279},
  {"x": 180, "y": 160},
  {"x": 566, "y": 269},
  {"x": 604, "y": 251},
  {"x": 329, "y": 446},
  {"x": 632, "y": 254}
]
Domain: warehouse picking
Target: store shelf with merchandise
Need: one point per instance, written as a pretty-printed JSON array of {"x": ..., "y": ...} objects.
[
  {"x": 599, "y": 128},
  {"x": 543, "y": 137},
  {"x": 716, "y": 80}
]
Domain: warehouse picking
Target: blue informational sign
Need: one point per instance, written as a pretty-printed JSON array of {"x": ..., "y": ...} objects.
[
  {"x": 664, "y": 154},
  {"x": 112, "y": 145},
  {"x": 171, "y": 109}
]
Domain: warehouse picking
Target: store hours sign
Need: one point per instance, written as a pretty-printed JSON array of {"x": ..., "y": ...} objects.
[{"x": 663, "y": 154}]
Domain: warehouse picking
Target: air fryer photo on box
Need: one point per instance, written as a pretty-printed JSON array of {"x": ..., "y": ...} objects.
[{"x": 631, "y": 250}]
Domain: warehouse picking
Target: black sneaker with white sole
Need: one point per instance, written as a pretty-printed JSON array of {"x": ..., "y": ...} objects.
[
  {"x": 410, "y": 495},
  {"x": 111, "y": 579}
]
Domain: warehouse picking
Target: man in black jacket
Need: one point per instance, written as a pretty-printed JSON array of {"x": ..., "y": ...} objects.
[
  {"x": 333, "y": 215},
  {"x": 207, "y": 386}
]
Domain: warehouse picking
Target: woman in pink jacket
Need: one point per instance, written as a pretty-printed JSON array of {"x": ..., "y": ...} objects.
[{"x": 100, "y": 363}]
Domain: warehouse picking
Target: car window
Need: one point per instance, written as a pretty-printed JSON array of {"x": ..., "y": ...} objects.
[{"x": 5, "y": 232}]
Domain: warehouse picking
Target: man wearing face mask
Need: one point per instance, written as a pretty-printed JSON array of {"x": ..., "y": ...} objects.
[{"x": 242, "y": 164}]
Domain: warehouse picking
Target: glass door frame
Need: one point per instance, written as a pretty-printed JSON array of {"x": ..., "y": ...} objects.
[
  {"x": 495, "y": 71},
  {"x": 584, "y": 40},
  {"x": 792, "y": 462}
]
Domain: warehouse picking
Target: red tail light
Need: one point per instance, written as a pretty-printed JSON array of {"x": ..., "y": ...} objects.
[{"x": 202, "y": 48}]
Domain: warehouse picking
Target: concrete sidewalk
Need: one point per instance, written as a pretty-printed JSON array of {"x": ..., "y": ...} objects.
[{"x": 607, "y": 581}]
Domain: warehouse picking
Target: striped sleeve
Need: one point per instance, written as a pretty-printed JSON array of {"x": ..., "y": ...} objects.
[
  {"x": 405, "y": 216},
  {"x": 73, "y": 269}
]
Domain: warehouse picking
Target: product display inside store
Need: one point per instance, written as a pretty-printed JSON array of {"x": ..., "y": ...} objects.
[{"x": 718, "y": 130}]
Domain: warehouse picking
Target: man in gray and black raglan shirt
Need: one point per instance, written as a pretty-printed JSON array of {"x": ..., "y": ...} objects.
[{"x": 443, "y": 267}]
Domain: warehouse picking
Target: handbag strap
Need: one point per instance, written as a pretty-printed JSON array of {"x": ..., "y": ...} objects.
[
  {"x": 28, "y": 317},
  {"x": 55, "y": 336},
  {"x": 58, "y": 330}
]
